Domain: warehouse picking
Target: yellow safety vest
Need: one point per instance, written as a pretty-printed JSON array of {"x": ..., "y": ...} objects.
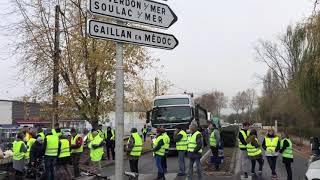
[
  {"x": 113, "y": 137},
  {"x": 144, "y": 131},
  {"x": 182, "y": 145},
  {"x": 252, "y": 150},
  {"x": 193, "y": 142},
  {"x": 137, "y": 148},
  {"x": 97, "y": 153},
  {"x": 65, "y": 148},
  {"x": 162, "y": 150},
  {"x": 271, "y": 144},
  {"x": 89, "y": 137},
  {"x": 73, "y": 142},
  {"x": 52, "y": 145},
  {"x": 54, "y": 132},
  {"x": 287, "y": 153},
  {"x": 41, "y": 134},
  {"x": 166, "y": 140},
  {"x": 245, "y": 136},
  {"x": 29, "y": 144},
  {"x": 17, "y": 155},
  {"x": 213, "y": 141}
]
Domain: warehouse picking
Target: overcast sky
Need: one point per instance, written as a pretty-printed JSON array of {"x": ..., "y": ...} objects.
[{"x": 216, "y": 44}]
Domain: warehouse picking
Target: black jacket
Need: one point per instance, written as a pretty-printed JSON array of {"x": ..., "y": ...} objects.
[{"x": 36, "y": 151}]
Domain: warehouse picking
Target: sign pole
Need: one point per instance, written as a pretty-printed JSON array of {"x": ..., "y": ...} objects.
[{"x": 119, "y": 171}]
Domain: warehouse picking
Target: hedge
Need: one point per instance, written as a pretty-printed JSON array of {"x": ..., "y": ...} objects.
[{"x": 304, "y": 132}]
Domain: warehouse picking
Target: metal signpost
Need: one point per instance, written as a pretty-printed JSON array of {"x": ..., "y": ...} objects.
[
  {"x": 146, "y": 12},
  {"x": 138, "y": 11}
]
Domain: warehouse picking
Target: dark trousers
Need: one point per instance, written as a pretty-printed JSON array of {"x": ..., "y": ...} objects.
[
  {"x": 18, "y": 175},
  {"x": 49, "y": 163},
  {"x": 110, "y": 147},
  {"x": 272, "y": 160},
  {"x": 144, "y": 137},
  {"x": 253, "y": 164},
  {"x": 215, "y": 153},
  {"x": 289, "y": 170},
  {"x": 159, "y": 166},
  {"x": 134, "y": 165},
  {"x": 75, "y": 162},
  {"x": 182, "y": 166},
  {"x": 164, "y": 163},
  {"x": 199, "y": 168}
]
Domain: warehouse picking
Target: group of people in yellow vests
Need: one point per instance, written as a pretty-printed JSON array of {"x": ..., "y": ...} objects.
[
  {"x": 54, "y": 148},
  {"x": 251, "y": 150}
]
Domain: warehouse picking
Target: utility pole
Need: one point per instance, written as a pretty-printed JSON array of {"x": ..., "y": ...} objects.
[
  {"x": 119, "y": 169},
  {"x": 156, "y": 86},
  {"x": 56, "y": 56}
]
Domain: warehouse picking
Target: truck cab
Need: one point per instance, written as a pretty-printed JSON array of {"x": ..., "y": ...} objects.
[{"x": 171, "y": 110}]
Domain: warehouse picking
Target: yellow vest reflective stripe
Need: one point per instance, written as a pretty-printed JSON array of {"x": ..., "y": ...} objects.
[
  {"x": 137, "y": 148},
  {"x": 253, "y": 151},
  {"x": 65, "y": 148},
  {"x": 166, "y": 140},
  {"x": 193, "y": 142},
  {"x": 29, "y": 144},
  {"x": 182, "y": 145},
  {"x": 54, "y": 132},
  {"x": 17, "y": 155},
  {"x": 162, "y": 150},
  {"x": 52, "y": 145},
  {"x": 144, "y": 131},
  {"x": 73, "y": 142},
  {"x": 213, "y": 141},
  {"x": 271, "y": 144},
  {"x": 97, "y": 153},
  {"x": 245, "y": 136},
  {"x": 41, "y": 135},
  {"x": 287, "y": 153},
  {"x": 113, "y": 137}
]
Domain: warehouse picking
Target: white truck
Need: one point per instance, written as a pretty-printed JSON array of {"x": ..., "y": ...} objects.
[
  {"x": 171, "y": 110},
  {"x": 313, "y": 172}
]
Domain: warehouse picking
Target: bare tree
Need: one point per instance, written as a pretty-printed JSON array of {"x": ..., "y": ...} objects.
[
  {"x": 221, "y": 101},
  {"x": 213, "y": 101},
  {"x": 252, "y": 100}
]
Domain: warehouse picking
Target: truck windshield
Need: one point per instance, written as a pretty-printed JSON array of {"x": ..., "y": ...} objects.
[{"x": 173, "y": 114}]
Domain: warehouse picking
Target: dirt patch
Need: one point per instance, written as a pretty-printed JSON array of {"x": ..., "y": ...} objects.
[{"x": 225, "y": 168}]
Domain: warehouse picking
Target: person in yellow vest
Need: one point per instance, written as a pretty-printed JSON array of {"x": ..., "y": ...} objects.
[
  {"x": 96, "y": 150},
  {"x": 64, "y": 153},
  {"x": 76, "y": 152},
  {"x": 181, "y": 139},
  {"x": 51, "y": 145},
  {"x": 134, "y": 150},
  {"x": 271, "y": 145},
  {"x": 254, "y": 152},
  {"x": 30, "y": 142},
  {"x": 194, "y": 151},
  {"x": 19, "y": 149},
  {"x": 144, "y": 131},
  {"x": 166, "y": 139},
  {"x": 243, "y": 135},
  {"x": 110, "y": 142},
  {"x": 159, "y": 152},
  {"x": 214, "y": 142},
  {"x": 56, "y": 131},
  {"x": 41, "y": 133},
  {"x": 286, "y": 149}
]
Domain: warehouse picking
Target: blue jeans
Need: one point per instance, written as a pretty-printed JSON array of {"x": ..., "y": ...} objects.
[
  {"x": 49, "y": 163},
  {"x": 199, "y": 170},
  {"x": 159, "y": 163},
  {"x": 182, "y": 166}
]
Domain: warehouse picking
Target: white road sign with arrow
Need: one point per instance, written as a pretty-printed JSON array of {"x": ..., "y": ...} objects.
[
  {"x": 139, "y": 11},
  {"x": 103, "y": 30}
]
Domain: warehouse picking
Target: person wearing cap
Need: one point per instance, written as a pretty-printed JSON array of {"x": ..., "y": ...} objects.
[
  {"x": 181, "y": 139},
  {"x": 96, "y": 150},
  {"x": 271, "y": 145},
  {"x": 194, "y": 151},
  {"x": 245, "y": 161},
  {"x": 19, "y": 149},
  {"x": 76, "y": 151},
  {"x": 215, "y": 142},
  {"x": 37, "y": 151},
  {"x": 159, "y": 152},
  {"x": 134, "y": 150}
]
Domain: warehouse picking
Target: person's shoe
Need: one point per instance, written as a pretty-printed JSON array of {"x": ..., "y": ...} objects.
[
  {"x": 253, "y": 174},
  {"x": 181, "y": 174},
  {"x": 245, "y": 175}
]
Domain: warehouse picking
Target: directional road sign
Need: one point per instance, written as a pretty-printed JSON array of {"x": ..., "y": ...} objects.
[
  {"x": 139, "y": 11},
  {"x": 103, "y": 30}
]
